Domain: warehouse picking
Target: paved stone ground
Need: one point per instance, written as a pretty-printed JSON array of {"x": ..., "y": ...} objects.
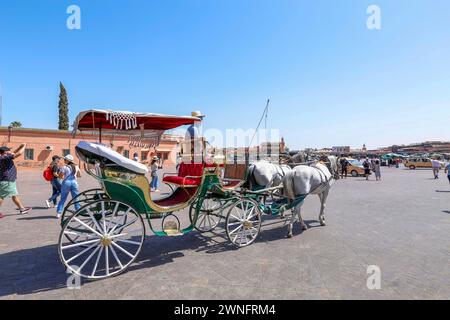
[{"x": 401, "y": 224}]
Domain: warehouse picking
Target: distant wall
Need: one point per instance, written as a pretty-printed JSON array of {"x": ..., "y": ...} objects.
[{"x": 62, "y": 142}]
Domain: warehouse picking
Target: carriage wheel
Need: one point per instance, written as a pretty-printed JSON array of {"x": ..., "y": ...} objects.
[
  {"x": 82, "y": 199},
  {"x": 209, "y": 214},
  {"x": 243, "y": 222},
  {"x": 107, "y": 237}
]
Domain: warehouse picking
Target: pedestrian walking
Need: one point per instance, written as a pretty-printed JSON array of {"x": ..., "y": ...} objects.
[
  {"x": 436, "y": 165},
  {"x": 154, "y": 166},
  {"x": 8, "y": 177},
  {"x": 53, "y": 172},
  {"x": 377, "y": 169},
  {"x": 69, "y": 172},
  {"x": 447, "y": 171},
  {"x": 344, "y": 167},
  {"x": 366, "y": 165}
]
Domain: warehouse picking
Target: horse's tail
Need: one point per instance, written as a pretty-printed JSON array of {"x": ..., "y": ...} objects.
[{"x": 288, "y": 185}]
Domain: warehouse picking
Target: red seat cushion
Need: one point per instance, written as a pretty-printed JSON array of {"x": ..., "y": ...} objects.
[
  {"x": 189, "y": 174},
  {"x": 182, "y": 181},
  {"x": 190, "y": 169}
]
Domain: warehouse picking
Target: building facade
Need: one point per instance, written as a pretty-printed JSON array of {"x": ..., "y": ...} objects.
[{"x": 43, "y": 144}]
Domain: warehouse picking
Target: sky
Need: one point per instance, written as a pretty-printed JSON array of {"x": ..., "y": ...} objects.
[{"x": 331, "y": 81}]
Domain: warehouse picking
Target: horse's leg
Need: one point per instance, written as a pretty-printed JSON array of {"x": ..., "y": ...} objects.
[
  {"x": 300, "y": 218},
  {"x": 323, "y": 203},
  {"x": 291, "y": 223}
]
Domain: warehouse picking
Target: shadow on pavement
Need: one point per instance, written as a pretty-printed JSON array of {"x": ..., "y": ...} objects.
[
  {"x": 35, "y": 270},
  {"x": 39, "y": 218}
]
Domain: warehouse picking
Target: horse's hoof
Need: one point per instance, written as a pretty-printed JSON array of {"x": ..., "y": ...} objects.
[
  {"x": 304, "y": 227},
  {"x": 289, "y": 235},
  {"x": 322, "y": 223}
]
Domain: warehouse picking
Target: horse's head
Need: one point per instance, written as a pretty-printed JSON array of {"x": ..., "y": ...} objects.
[{"x": 333, "y": 167}]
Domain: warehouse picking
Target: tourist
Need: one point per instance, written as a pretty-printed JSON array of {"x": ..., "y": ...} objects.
[
  {"x": 366, "y": 165},
  {"x": 344, "y": 167},
  {"x": 436, "y": 165},
  {"x": 154, "y": 166},
  {"x": 377, "y": 169},
  {"x": 68, "y": 173},
  {"x": 55, "y": 182},
  {"x": 8, "y": 177},
  {"x": 447, "y": 171}
]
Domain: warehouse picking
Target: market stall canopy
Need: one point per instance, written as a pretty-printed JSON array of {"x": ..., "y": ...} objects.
[{"x": 392, "y": 155}]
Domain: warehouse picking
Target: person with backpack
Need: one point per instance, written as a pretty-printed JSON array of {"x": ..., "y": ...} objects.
[
  {"x": 51, "y": 175},
  {"x": 68, "y": 173},
  {"x": 366, "y": 165},
  {"x": 8, "y": 177},
  {"x": 344, "y": 167}
]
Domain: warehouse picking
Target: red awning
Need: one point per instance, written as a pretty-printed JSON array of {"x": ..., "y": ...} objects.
[{"x": 128, "y": 121}]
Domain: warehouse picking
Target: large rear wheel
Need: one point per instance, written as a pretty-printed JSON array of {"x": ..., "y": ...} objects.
[{"x": 107, "y": 236}]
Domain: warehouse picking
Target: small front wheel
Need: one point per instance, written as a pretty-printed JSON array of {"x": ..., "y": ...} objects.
[
  {"x": 354, "y": 173},
  {"x": 106, "y": 237},
  {"x": 411, "y": 167},
  {"x": 209, "y": 214},
  {"x": 243, "y": 222}
]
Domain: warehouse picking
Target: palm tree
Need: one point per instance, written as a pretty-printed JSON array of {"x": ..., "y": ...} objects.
[{"x": 16, "y": 124}]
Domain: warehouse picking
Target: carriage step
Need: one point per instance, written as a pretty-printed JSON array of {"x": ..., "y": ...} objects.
[{"x": 173, "y": 232}]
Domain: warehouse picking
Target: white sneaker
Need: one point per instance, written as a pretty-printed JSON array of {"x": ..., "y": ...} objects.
[
  {"x": 48, "y": 203},
  {"x": 58, "y": 216}
]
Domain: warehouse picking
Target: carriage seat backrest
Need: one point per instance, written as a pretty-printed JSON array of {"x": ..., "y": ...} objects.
[
  {"x": 235, "y": 171},
  {"x": 190, "y": 169}
]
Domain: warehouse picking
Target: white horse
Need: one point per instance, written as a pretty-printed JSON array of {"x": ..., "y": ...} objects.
[
  {"x": 305, "y": 180},
  {"x": 266, "y": 174}
]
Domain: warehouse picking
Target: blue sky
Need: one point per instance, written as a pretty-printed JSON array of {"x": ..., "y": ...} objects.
[{"x": 331, "y": 81}]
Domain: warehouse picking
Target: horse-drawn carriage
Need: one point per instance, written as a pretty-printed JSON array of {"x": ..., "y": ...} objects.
[{"x": 103, "y": 229}]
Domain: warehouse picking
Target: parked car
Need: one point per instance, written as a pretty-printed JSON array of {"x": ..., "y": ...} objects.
[
  {"x": 423, "y": 162},
  {"x": 355, "y": 168}
]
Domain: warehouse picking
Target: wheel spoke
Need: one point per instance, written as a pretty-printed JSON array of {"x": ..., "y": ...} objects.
[
  {"x": 79, "y": 254},
  {"x": 88, "y": 227},
  {"x": 115, "y": 213},
  {"x": 123, "y": 226},
  {"x": 122, "y": 249},
  {"x": 116, "y": 257},
  {"x": 240, "y": 226},
  {"x": 93, "y": 220},
  {"x": 96, "y": 261},
  {"x": 89, "y": 258},
  {"x": 80, "y": 244},
  {"x": 129, "y": 241},
  {"x": 107, "y": 260}
]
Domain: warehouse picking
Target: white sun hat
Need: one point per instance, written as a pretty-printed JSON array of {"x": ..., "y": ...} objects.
[{"x": 69, "y": 157}]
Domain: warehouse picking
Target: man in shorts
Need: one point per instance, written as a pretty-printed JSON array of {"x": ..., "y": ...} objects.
[{"x": 8, "y": 177}]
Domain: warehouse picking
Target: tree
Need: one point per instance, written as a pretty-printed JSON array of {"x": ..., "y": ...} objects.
[
  {"x": 63, "y": 107},
  {"x": 16, "y": 124}
]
